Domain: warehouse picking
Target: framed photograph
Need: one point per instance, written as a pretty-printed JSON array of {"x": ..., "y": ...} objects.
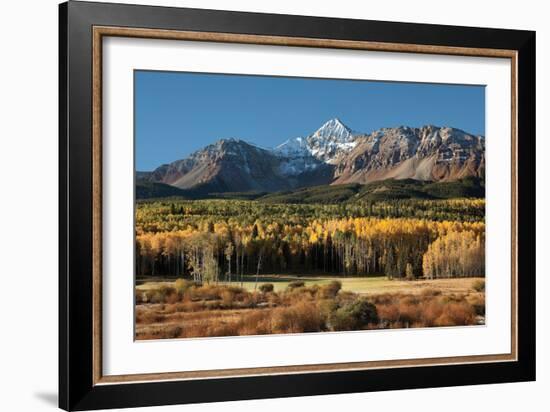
[{"x": 257, "y": 206}]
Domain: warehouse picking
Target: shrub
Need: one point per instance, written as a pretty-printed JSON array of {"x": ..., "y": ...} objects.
[
  {"x": 148, "y": 316},
  {"x": 478, "y": 303},
  {"x": 300, "y": 294},
  {"x": 161, "y": 294},
  {"x": 173, "y": 333},
  {"x": 172, "y": 298},
  {"x": 189, "y": 306},
  {"x": 255, "y": 323},
  {"x": 479, "y": 309},
  {"x": 207, "y": 292},
  {"x": 235, "y": 289},
  {"x": 409, "y": 311},
  {"x": 197, "y": 330},
  {"x": 426, "y": 292},
  {"x": 223, "y": 329},
  {"x": 228, "y": 298},
  {"x": 295, "y": 284},
  {"x": 274, "y": 299},
  {"x": 384, "y": 299},
  {"x": 302, "y": 317},
  {"x": 410, "y": 300},
  {"x": 431, "y": 311},
  {"x": 169, "y": 294},
  {"x": 355, "y": 315},
  {"x": 327, "y": 307},
  {"x": 182, "y": 285},
  {"x": 331, "y": 290},
  {"x": 141, "y": 297},
  {"x": 266, "y": 288},
  {"x": 479, "y": 285},
  {"x": 212, "y": 305},
  {"x": 455, "y": 314},
  {"x": 346, "y": 297},
  {"x": 388, "y": 313}
]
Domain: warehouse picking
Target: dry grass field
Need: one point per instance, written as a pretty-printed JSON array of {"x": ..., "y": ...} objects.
[
  {"x": 291, "y": 304},
  {"x": 363, "y": 285}
]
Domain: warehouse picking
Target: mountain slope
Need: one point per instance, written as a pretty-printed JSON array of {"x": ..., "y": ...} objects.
[
  {"x": 232, "y": 165},
  {"x": 389, "y": 189},
  {"x": 150, "y": 190},
  {"x": 426, "y": 153},
  {"x": 333, "y": 154}
]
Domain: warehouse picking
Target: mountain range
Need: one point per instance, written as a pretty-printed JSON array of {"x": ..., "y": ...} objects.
[{"x": 332, "y": 155}]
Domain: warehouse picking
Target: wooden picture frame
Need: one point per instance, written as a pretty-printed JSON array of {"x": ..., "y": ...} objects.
[{"x": 83, "y": 26}]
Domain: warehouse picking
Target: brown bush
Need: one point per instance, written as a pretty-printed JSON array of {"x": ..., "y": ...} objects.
[
  {"x": 148, "y": 317},
  {"x": 222, "y": 310},
  {"x": 140, "y": 297},
  {"x": 409, "y": 312},
  {"x": 169, "y": 309},
  {"x": 453, "y": 298},
  {"x": 173, "y": 332},
  {"x": 296, "y": 284},
  {"x": 384, "y": 299},
  {"x": 235, "y": 289},
  {"x": 478, "y": 303},
  {"x": 455, "y": 314},
  {"x": 431, "y": 311},
  {"x": 190, "y": 306},
  {"x": 183, "y": 285},
  {"x": 274, "y": 299},
  {"x": 206, "y": 292},
  {"x": 257, "y": 322},
  {"x": 294, "y": 296},
  {"x": 331, "y": 290},
  {"x": 479, "y": 285},
  {"x": 161, "y": 294},
  {"x": 223, "y": 329},
  {"x": 345, "y": 297},
  {"x": 430, "y": 292},
  {"x": 196, "y": 330},
  {"x": 410, "y": 300},
  {"x": 301, "y": 317},
  {"x": 172, "y": 298},
  {"x": 388, "y": 313},
  {"x": 213, "y": 305},
  {"x": 228, "y": 297},
  {"x": 236, "y": 294}
]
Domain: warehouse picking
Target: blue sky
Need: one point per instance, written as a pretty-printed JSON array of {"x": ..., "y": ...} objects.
[{"x": 178, "y": 113}]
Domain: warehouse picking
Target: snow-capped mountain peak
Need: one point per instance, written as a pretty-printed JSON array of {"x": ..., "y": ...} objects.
[
  {"x": 331, "y": 141},
  {"x": 333, "y": 130},
  {"x": 327, "y": 144}
]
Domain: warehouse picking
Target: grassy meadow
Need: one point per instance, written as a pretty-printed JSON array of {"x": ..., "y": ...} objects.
[{"x": 371, "y": 285}]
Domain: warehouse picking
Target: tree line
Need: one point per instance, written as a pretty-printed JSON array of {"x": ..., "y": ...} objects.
[
  {"x": 160, "y": 216},
  {"x": 228, "y": 240}
]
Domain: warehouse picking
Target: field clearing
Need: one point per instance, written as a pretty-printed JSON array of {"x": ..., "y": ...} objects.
[{"x": 372, "y": 285}]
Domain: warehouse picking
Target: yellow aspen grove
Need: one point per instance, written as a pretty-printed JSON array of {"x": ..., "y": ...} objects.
[
  {"x": 225, "y": 239},
  {"x": 455, "y": 254}
]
